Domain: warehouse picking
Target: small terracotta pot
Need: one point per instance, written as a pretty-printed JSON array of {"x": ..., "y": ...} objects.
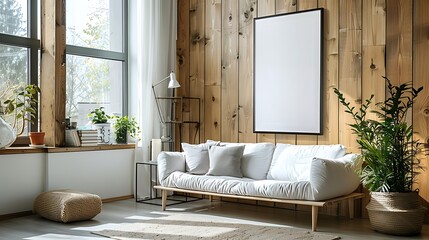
[{"x": 37, "y": 138}]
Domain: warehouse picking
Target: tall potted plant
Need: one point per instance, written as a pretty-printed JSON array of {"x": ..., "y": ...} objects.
[
  {"x": 22, "y": 108},
  {"x": 390, "y": 156}
]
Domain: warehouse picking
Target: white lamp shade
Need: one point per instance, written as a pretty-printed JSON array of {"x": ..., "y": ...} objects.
[{"x": 173, "y": 82}]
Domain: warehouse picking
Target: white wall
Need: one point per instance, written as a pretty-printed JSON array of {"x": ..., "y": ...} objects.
[
  {"x": 21, "y": 180},
  {"x": 105, "y": 173},
  {"x": 108, "y": 174}
]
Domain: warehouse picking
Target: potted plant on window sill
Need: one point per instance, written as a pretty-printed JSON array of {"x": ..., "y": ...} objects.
[
  {"x": 99, "y": 119},
  {"x": 390, "y": 156},
  {"x": 124, "y": 126},
  {"x": 23, "y": 109}
]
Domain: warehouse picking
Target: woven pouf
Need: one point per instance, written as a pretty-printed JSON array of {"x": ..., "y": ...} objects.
[{"x": 67, "y": 205}]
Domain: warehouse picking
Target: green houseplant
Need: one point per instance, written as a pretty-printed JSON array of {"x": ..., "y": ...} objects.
[
  {"x": 123, "y": 126},
  {"x": 98, "y": 115},
  {"x": 21, "y": 109},
  {"x": 391, "y": 165}
]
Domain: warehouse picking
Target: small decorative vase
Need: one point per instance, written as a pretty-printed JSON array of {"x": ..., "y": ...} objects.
[
  {"x": 103, "y": 131},
  {"x": 37, "y": 138},
  {"x": 7, "y": 134}
]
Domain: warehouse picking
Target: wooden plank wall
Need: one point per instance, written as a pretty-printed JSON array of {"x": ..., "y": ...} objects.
[{"x": 363, "y": 40}]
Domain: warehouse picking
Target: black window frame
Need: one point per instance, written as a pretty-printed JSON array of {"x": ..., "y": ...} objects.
[
  {"x": 110, "y": 55},
  {"x": 33, "y": 45}
]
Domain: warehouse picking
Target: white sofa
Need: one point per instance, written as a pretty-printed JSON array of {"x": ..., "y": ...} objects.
[{"x": 302, "y": 174}]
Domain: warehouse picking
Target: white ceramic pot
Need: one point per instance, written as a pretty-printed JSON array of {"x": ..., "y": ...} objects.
[
  {"x": 7, "y": 134},
  {"x": 104, "y": 133}
]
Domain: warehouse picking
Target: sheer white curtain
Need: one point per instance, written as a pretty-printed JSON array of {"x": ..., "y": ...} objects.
[{"x": 152, "y": 46}]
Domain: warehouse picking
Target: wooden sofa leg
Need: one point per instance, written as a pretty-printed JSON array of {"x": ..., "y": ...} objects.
[
  {"x": 314, "y": 214},
  {"x": 351, "y": 206},
  {"x": 210, "y": 198},
  {"x": 164, "y": 194}
]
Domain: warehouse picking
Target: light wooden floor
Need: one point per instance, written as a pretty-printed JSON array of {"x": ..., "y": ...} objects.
[{"x": 128, "y": 211}]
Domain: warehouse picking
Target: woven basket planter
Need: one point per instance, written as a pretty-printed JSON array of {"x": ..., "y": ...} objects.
[{"x": 396, "y": 213}]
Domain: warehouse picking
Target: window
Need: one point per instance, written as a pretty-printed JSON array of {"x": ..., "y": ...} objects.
[
  {"x": 96, "y": 57},
  {"x": 19, "y": 46}
]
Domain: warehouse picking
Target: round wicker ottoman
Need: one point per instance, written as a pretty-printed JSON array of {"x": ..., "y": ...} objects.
[{"x": 67, "y": 205}]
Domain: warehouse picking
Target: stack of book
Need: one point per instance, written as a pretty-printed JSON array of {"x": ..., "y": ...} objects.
[
  {"x": 88, "y": 137},
  {"x": 72, "y": 138}
]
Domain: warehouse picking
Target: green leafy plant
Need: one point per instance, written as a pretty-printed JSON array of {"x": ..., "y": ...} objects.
[
  {"x": 388, "y": 149},
  {"x": 98, "y": 115},
  {"x": 23, "y": 107},
  {"x": 124, "y": 125}
]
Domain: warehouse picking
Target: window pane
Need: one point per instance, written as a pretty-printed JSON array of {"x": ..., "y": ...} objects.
[
  {"x": 95, "y": 24},
  {"x": 92, "y": 82},
  {"x": 13, "y": 69},
  {"x": 13, "y": 17},
  {"x": 13, "y": 74}
]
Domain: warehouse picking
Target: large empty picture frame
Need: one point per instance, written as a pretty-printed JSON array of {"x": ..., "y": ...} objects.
[{"x": 288, "y": 73}]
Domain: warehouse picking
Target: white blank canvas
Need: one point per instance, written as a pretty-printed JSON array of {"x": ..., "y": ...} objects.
[{"x": 287, "y": 73}]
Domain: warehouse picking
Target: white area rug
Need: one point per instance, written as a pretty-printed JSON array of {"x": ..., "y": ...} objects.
[{"x": 181, "y": 227}]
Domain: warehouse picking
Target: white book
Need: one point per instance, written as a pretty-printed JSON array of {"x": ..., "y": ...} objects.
[{"x": 72, "y": 138}]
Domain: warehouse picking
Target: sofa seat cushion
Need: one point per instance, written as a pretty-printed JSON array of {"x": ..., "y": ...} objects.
[{"x": 241, "y": 186}]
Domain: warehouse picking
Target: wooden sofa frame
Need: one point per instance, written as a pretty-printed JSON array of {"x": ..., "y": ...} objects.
[{"x": 314, "y": 204}]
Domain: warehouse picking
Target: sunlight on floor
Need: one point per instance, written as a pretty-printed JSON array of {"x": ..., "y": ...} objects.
[
  {"x": 200, "y": 217},
  {"x": 51, "y": 236},
  {"x": 98, "y": 227},
  {"x": 139, "y": 218}
]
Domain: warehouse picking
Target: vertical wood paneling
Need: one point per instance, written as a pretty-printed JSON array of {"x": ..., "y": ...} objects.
[
  {"x": 229, "y": 106},
  {"x": 266, "y": 8},
  {"x": 373, "y": 56},
  {"x": 373, "y": 61},
  {"x": 374, "y": 22},
  {"x": 330, "y": 72},
  {"x": 350, "y": 66},
  {"x": 399, "y": 31},
  {"x": 213, "y": 42},
  {"x": 286, "y": 6},
  {"x": 364, "y": 39},
  {"x": 330, "y": 80},
  {"x": 196, "y": 66},
  {"x": 421, "y": 78},
  {"x": 182, "y": 58},
  {"x": 213, "y": 52},
  {"x": 306, "y": 139},
  {"x": 213, "y": 111},
  {"x": 247, "y": 11}
]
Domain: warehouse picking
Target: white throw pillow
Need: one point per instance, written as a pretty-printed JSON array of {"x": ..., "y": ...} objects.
[
  {"x": 225, "y": 161},
  {"x": 292, "y": 162},
  {"x": 197, "y": 157},
  {"x": 256, "y": 160}
]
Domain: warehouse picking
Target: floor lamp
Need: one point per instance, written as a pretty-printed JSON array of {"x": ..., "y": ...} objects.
[{"x": 172, "y": 84}]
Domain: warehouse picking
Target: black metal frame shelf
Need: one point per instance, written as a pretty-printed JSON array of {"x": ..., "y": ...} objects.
[
  {"x": 180, "y": 118},
  {"x": 154, "y": 199}
]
